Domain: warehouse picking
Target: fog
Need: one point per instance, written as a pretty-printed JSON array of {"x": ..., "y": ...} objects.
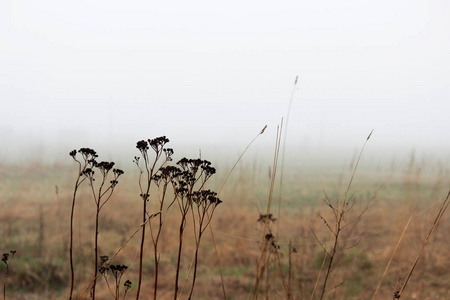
[{"x": 211, "y": 74}]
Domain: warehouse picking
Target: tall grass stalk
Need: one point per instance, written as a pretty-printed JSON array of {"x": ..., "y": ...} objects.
[
  {"x": 266, "y": 221},
  {"x": 283, "y": 154}
]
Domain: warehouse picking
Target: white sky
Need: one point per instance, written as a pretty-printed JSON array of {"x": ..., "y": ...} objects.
[{"x": 107, "y": 73}]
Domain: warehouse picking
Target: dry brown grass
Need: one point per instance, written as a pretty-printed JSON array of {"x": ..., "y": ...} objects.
[{"x": 34, "y": 222}]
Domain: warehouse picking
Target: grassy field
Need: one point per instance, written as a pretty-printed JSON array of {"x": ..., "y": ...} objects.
[{"x": 35, "y": 207}]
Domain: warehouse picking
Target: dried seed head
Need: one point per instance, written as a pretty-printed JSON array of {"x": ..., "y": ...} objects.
[
  {"x": 88, "y": 152},
  {"x": 142, "y": 146},
  {"x": 158, "y": 143},
  {"x": 118, "y": 172},
  {"x": 5, "y": 258},
  {"x": 269, "y": 236},
  {"x": 262, "y": 131},
  {"x": 105, "y": 166},
  {"x": 169, "y": 153},
  {"x": 262, "y": 218},
  {"x": 127, "y": 284}
]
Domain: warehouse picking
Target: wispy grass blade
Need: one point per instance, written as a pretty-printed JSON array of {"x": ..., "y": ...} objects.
[{"x": 283, "y": 154}]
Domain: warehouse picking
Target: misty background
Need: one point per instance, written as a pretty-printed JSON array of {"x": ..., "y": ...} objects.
[{"x": 211, "y": 74}]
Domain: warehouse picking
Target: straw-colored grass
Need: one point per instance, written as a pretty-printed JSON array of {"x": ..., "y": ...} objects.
[{"x": 34, "y": 222}]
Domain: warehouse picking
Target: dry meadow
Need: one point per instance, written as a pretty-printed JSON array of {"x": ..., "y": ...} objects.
[{"x": 283, "y": 254}]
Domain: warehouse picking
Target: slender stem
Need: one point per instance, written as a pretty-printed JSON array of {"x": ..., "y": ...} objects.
[
  {"x": 333, "y": 254},
  {"x": 141, "y": 255},
  {"x": 195, "y": 267},
  {"x": 107, "y": 284},
  {"x": 97, "y": 199},
  {"x": 77, "y": 184},
  {"x": 117, "y": 288},
  {"x": 155, "y": 290},
  {"x": 289, "y": 292},
  {"x": 156, "y": 240},
  {"x": 6, "y": 279},
  {"x": 180, "y": 246},
  {"x": 201, "y": 229},
  {"x": 94, "y": 283},
  {"x": 144, "y": 216},
  {"x": 72, "y": 275}
]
